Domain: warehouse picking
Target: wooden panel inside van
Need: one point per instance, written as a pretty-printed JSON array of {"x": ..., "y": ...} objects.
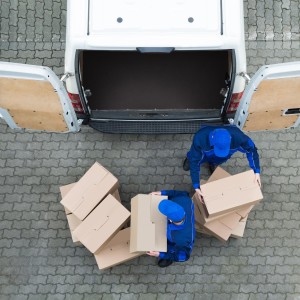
[
  {"x": 32, "y": 104},
  {"x": 269, "y": 101}
]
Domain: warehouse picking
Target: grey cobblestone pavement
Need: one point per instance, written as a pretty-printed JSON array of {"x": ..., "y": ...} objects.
[{"x": 38, "y": 259}]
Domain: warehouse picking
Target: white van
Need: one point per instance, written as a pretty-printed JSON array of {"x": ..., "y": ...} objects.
[{"x": 137, "y": 66}]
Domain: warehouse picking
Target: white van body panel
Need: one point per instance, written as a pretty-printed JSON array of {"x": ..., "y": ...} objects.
[{"x": 94, "y": 25}]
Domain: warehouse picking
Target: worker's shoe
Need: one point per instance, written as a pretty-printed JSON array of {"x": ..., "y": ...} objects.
[
  {"x": 164, "y": 262},
  {"x": 186, "y": 164},
  {"x": 212, "y": 168}
]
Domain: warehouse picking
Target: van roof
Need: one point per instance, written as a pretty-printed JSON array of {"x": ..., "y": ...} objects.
[{"x": 155, "y": 16}]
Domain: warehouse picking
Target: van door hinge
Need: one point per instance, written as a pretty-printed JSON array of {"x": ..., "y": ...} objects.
[
  {"x": 66, "y": 76},
  {"x": 245, "y": 76}
]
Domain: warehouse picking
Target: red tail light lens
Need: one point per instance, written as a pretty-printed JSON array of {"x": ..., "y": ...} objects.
[
  {"x": 76, "y": 103},
  {"x": 234, "y": 102}
]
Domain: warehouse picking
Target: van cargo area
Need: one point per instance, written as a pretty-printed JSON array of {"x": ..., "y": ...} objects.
[{"x": 180, "y": 85}]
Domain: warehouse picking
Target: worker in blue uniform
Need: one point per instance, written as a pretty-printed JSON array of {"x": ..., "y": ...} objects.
[
  {"x": 179, "y": 210},
  {"x": 215, "y": 145}
]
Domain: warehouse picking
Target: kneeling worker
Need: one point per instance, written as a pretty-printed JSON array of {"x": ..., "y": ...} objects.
[{"x": 179, "y": 210}]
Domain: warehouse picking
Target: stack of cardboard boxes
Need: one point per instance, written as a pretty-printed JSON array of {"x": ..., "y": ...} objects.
[
  {"x": 227, "y": 202},
  {"x": 96, "y": 216},
  {"x": 99, "y": 221}
]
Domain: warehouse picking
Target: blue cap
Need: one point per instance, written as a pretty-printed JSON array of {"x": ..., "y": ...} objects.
[
  {"x": 172, "y": 210},
  {"x": 220, "y": 139}
]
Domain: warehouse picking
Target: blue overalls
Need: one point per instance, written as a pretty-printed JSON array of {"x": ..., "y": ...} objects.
[
  {"x": 201, "y": 151},
  {"x": 180, "y": 237}
]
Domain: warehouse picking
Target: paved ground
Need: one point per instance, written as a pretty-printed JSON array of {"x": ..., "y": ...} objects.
[{"x": 38, "y": 259}]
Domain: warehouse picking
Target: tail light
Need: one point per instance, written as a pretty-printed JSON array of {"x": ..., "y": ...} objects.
[
  {"x": 76, "y": 103},
  {"x": 234, "y": 102}
]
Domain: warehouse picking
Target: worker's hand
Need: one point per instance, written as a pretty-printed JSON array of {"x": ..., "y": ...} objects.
[
  {"x": 200, "y": 194},
  {"x": 156, "y": 193},
  {"x": 257, "y": 179},
  {"x": 153, "y": 253}
]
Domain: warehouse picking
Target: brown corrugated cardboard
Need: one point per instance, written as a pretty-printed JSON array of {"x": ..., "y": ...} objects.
[
  {"x": 100, "y": 226},
  {"x": 222, "y": 228},
  {"x": 116, "y": 194},
  {"x": 231, "y": 193},
  {"x": 64, "y": 190},
  {"x": 245, "y": 211},
  {"x": 202, "y": 217},
  {"x": 116, "y": 251},
  {"x": 200, "y": 228},
  {"x": 148, "y": 225},
  {"x": 89, "y": 191},
  {"x": 73, "y": 222},
  {"x": 238, "y": 231},
  {"x": 198, "y": 216},
  {"x": 219, "y": 173}
]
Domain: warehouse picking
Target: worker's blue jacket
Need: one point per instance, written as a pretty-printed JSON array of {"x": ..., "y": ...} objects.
[
  {"x": 180, "y": 237},
  {"x": 201, "y": 151}
]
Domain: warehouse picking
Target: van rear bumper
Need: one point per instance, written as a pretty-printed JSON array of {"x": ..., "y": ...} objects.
[{"x": 151, "y": 127}]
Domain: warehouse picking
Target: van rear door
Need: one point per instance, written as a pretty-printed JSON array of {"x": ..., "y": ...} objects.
[
  {"x": 33, "y": 97},
  {"x": 271, "y": 99}
]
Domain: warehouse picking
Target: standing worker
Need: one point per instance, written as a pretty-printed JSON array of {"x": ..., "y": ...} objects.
[
  {"x": 179, "y": 210},
  {"x": 215, "y": 145}
]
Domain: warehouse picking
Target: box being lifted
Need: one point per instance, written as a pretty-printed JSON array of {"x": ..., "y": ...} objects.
[
  {"x": 116, "y": 251},
  {"x": 101, "y": 225},
  {"x": 224, "y": 225},
  {"x": 148, "y": 226},
  {"x": 231, "y": 193},
  {"x": 89, "y": 191}
]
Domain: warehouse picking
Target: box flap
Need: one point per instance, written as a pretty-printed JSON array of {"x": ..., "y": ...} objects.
[
  {"x": 245, "y": 211},
  {"x": 231, "y": 193},
  {"x": 230, "y": 220},
  {"x": 238, "y": 231},
  {"x": 116, "y": 194},
  {"x": 64, "y": 190},
  {"x": 73, "y": 222},
  {"x": 102, "y": 223},
  {"x": 95, "y": 184},
  {"x": 223, "y": 227},
  {"x": 219, "y": 231},
  {"x": 116, "y": 251},
  {"x": 148, "y": 225}
]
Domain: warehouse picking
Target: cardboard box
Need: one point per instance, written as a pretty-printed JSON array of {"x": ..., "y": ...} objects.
[
  {"x": 100, "y": 226},
  {"x": 199, "y": 228},
  {"x": 197, "y": 214},
  {"x": 220, "y": 226},
  {"x": 231, "y": 193},
  {"x": 63, "y": 192},
  {"x": 116, "y": 194},
  {"x": 89, "y": 191},
  {"x": 223, "y": 227},
  {"x": 202, "y": 219},
  {"x": 148, "y": 226},
  {"x": 116, "y": 251},
  {"x": 73, "y": 222},
  {"x": 238, "y": 231},
  {"x": 218, "y": 173}
]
